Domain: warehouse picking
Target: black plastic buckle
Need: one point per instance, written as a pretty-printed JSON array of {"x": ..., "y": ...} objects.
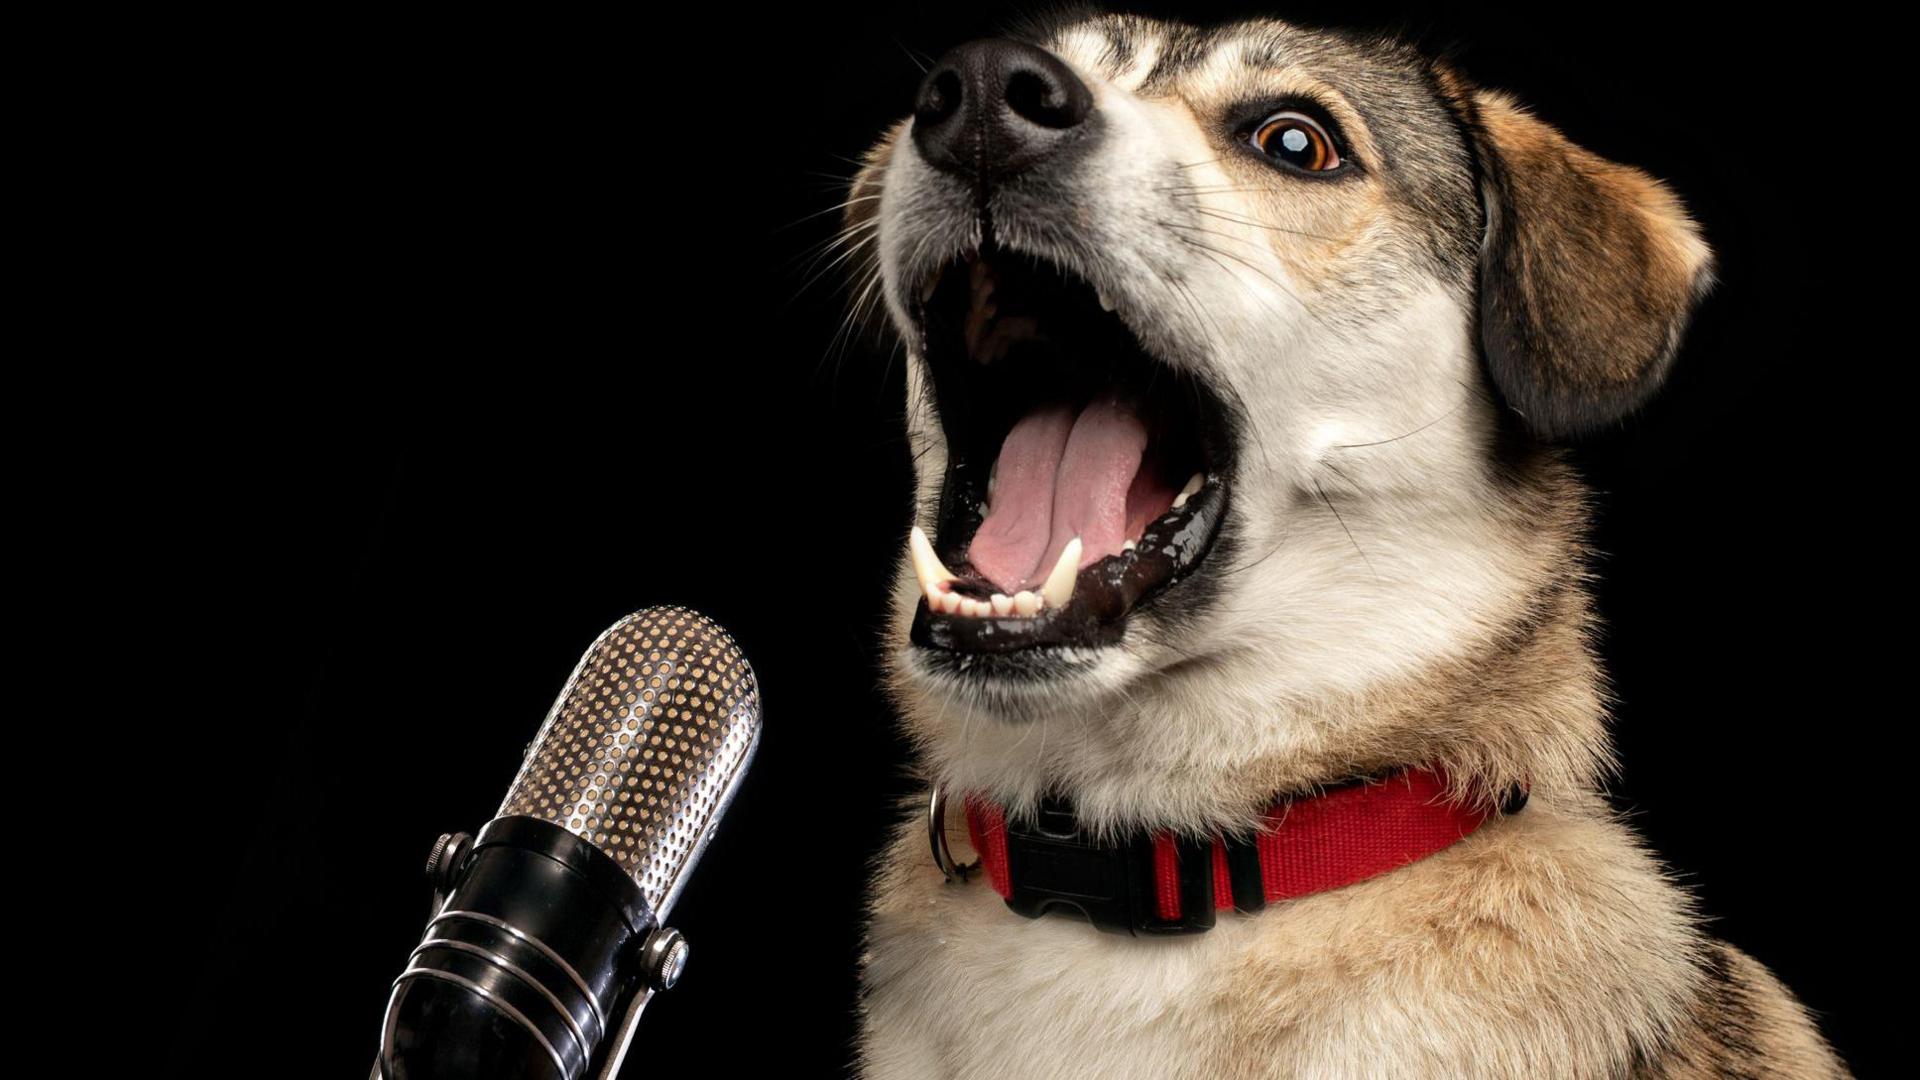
[{"x": 1052, "y": 865}]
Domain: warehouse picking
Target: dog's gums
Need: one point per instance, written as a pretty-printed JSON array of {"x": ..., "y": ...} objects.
[{"x": 1084, "y": 476}]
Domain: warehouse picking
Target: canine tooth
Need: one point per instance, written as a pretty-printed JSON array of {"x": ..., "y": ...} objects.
[
  {"x": 1059, "y": 586},
  {"x": 1002, "y": 604},
  {"x": 1026, "y": 603},
  {"x": 932, "y": 283},
  {"x": 1106, "y": 302},
  {"x": 1194, "y": 484},
  {"x": 1128, "y": 545},
  {"x": 926, "y": 565}
]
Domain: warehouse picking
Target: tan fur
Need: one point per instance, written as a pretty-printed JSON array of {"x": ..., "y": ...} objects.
[
  {"x": 1605, "y": 263},
  {"x": 863, "y": 195},
  {"x": 1409, "y": 586}
]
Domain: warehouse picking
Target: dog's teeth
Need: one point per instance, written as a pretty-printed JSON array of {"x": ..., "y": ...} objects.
[
  {"x": 1059, "y": 586},
  {"x": 933, "y": 283},
  {"x": 950, "y": 602},
  {"x": 926, "y": 565},
  {"x": 1128, "y": 545},
  {"x": 1002, "y": 604},
  {"x": 1026, "y": 603},
  {"x": 1198, "y": 481},
  {"x": 1106, "y": 302}
]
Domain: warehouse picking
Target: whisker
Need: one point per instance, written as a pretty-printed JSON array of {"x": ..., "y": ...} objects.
[
  {"x": 854, "y": 250},
  {"x": 1382, "y": 442},
  {"x": 857, "y": 313},
  {"x": 923, "y": 65},
  {"x": 1210, "y": 212},
  {"x": 834, "y": 209},
  {"x": 1192, "y": 189},
  {"x": 1270, "y": 278},
  {"x": 814, "y": 252},
  {"x": 1209, "y": 253},
  {"x": 1318, "y": 490}
]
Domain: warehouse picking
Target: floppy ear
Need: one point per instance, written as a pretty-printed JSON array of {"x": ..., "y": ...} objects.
[{"x": 1588, "y": 273}]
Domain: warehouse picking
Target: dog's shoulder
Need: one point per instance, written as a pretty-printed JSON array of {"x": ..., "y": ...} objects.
[{"x": 1550, "y": 943}]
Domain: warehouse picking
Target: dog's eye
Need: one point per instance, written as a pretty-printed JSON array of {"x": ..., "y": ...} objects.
[{"x": 1297, "y": 140}]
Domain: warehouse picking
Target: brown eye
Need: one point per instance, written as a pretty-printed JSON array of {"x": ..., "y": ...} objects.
[{"x": 1298, "y": 140}]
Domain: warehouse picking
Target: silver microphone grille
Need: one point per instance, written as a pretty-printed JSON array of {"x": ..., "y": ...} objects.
[{"x": 645, "y": 746}]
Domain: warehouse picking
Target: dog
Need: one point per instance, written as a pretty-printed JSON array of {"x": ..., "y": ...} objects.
[{"x": 1240, "y": 360}]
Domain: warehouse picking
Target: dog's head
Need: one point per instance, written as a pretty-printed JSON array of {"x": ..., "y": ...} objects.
[{"x": 1235, "y": 355}]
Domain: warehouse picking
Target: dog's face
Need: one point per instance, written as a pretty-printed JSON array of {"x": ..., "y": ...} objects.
[{"x": 1221, "y": 345}]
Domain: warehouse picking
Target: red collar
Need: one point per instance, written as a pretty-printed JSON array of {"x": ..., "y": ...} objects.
[{"x": 1158, "y": 883}]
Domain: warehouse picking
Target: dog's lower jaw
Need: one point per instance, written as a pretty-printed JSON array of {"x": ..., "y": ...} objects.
[{"x": 1546, "y": 944}]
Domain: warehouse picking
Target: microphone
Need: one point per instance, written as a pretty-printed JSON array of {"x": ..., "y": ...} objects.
[{"x": 548, "y": 937}]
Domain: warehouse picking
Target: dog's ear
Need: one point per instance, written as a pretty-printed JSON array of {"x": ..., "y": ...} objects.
[{"x": 1588, "y": 272}]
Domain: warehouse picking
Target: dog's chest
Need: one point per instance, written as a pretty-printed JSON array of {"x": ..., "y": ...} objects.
[{"x": 963, "y": 987}]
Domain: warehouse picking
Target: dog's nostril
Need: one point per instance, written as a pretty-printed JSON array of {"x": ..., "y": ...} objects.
[
  {"x": 1045, "y": 101},
  {"x": 939, "y": 97}
]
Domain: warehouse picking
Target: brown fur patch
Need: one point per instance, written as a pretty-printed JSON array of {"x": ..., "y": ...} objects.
[
  {"x": 1589, "y": 274},
  {"x": 1743, "y": 1024},
  {"x": 863, "y": 194}
]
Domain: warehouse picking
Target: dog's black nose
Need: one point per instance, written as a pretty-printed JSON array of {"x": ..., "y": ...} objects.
[{"x": 991, "y": 108}]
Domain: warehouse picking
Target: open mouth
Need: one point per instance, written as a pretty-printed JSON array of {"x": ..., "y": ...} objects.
[{"x": 1084, "y": 476}]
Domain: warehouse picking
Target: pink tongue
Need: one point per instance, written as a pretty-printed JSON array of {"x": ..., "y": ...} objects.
[{"x": 1060, "y": 476}]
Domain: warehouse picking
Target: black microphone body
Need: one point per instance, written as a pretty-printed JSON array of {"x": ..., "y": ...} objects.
[{"x": 547, "y": 938}]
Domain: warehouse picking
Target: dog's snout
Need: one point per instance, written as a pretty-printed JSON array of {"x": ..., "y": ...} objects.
[{"x": 991, "y": 108}]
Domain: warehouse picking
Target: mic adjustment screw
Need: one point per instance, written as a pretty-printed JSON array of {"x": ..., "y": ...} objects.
[
  {"x": 665, "y": 955},
  {"x": 443, "y": 862}
]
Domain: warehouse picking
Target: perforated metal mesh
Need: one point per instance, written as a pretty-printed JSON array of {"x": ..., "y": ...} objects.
[{"x": 644, "y": 743}]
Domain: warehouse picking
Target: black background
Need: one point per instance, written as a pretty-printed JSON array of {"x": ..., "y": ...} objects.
[{"x": 509, "y": 331}]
